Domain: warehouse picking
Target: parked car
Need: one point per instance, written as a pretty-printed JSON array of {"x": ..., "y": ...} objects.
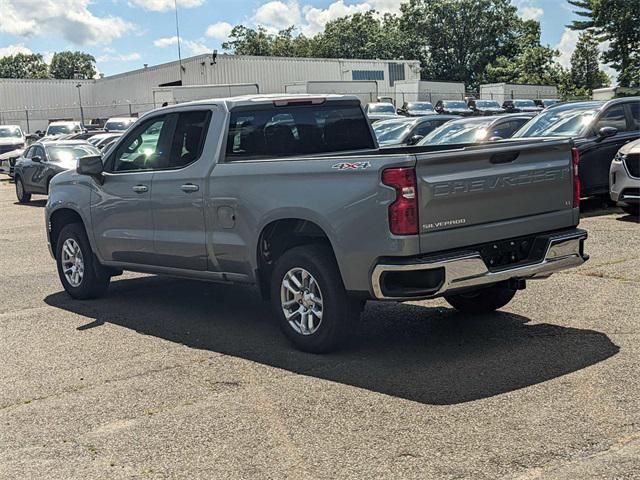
[
  {"x": 293, "y": 196},
  {"x": 119, "y": 124},
  {"x": 101, "y": 140},
  {"x": 380, "y": 111},
  {"x": 485, "y": 107},
  {"x": 77, "y": 136},
  {"x": 599, "y": 128},
  {"x": 518, "y": 106},
  {"x": 453, "y": 107},
  {"x": 545, "y": 102},
  {"x": 56, "y": 129},
  {"x": 12, "y": 141},
  {"x": 408, "y": 131},
  {"x": 416, "y": 109},
  {"x": 624, "y": 178},
  {"x": 45, "y": 159},
  {"x": 477, "y": 129}
]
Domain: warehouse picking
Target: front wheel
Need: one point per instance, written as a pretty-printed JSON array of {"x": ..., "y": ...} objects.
[
  {"x": 21, "y": 193},
  {"x": 79, "y": 271},
  {"x": 484, "y": 300},
  {"x": 309, "y": 300}
]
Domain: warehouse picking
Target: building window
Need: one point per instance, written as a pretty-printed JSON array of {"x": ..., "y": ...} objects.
[
  {"x": 396, "y": 72},
  {"x": 367, "y": 75}
]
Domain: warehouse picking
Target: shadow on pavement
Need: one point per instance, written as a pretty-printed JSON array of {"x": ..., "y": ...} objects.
[
  {"x": 428, "y": 355},
  {"x": 33, "y": 203}
]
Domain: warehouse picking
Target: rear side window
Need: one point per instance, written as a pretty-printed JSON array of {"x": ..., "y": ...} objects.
[
  {"x": 635, "y": 115},
  {"x": 297, "y": 130}
]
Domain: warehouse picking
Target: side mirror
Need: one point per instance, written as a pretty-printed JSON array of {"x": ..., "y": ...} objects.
[
  {"x": 415, "y": 139},
  {"x": 606, "y": 132},
  {"x": 36, "y": 159},
  {"x": 91, "y": 165}
]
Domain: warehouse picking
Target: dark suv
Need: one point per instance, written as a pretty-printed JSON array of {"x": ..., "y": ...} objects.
[
  {"x": 453, "y": 107},
  {"x": 485, "y": 107},
  {"x": 598, "y": 128}
]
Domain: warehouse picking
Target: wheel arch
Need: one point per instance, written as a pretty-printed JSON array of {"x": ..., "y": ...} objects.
[
  {"x": 58, "y": 219},
  {"x": 280, "y": 235}
]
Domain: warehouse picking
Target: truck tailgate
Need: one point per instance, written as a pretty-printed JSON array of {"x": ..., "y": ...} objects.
[{"x": 514, "y": 187}]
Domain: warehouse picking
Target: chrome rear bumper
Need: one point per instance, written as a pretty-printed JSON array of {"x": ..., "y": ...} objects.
[{"x": 467, "y": 269}]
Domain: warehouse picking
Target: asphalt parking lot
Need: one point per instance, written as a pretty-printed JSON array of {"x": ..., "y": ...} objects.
[{"x": 169, "y": 378}]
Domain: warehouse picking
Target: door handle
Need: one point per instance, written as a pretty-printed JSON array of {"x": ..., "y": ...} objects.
[
  {"x": 140, "y": 189},
  {"x": 189, "y": 187}
]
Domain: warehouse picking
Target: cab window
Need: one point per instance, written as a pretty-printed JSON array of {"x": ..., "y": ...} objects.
[{"x": 145, "y": 148}]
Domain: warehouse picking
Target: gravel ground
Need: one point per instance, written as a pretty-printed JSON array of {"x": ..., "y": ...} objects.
[{"x": 168, "y": 378}]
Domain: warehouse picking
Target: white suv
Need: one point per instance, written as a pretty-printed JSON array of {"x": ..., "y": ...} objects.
[
  {"x": 55, "y": 129},
  {"x": 624, "y": 178}
]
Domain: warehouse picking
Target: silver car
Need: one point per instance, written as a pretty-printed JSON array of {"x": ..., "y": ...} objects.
[{"x": 624, "y": 178}]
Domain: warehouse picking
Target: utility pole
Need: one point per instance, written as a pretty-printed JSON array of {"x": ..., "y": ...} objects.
[
  {"x": 78, "y": 86},
  {"x": 175, "y": 4}
]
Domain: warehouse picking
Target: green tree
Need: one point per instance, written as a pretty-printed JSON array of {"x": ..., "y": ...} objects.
[
  {"x": 585, "y": 65},
  {"x": 526, "y": 60},
  {"x": 615, "y": 21},
  {"x": 72, "y": 65},
  {"x": 247, "y": 41},
  {"x": 23, "y": 65},
  {"x": 457, "y": 39}
]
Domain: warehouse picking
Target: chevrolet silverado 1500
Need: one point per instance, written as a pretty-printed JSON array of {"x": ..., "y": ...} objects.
[{"x": 292, "y": 194}]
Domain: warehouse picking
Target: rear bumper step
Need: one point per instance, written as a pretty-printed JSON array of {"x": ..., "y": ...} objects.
[{"x": 434, "y": 276}]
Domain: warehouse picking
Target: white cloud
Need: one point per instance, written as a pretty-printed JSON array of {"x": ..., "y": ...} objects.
[
  {"x": 69, "y": 19},
  {"x": 192, "y": 47},
  {"x": 164, "y": 5},
  {"x": 14, "y": 50},
  {"x": 278, "y": 15},
  {"x": 531, "y": 13},
  {"x": 118, "y": 57},
  {"x": 528, "y": 9},
  {"x": 219, "y": 30}
]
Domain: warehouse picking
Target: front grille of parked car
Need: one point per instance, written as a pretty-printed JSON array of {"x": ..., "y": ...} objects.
[
  {"x": 513, "y": 252},
  {"x": 632, "y": 161}
]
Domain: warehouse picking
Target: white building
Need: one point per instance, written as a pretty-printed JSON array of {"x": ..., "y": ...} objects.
[
  {"x": 33, "y": 103},
  {"x": 507, "y": 91}
]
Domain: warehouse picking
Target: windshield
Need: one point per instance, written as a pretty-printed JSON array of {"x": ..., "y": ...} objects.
[
  {"x": 419, "y": 106},
  {"x": 487, "y": 104},
  {"x": 454, "y": 104},
  {"x": 10, "y": 132},
  {"x": 391, "y": 132},
  {"x": 381, "y": 108},
  {"x": 548, "y": 103},
  {"x": 59, "y": 129},
  {"x": 69, "y": 154},
  {"x": 558, "y": 123},
  {"x": 524, "y": 103},
  {"x": 458, "y": 132},
  {"x": 119, "y": 125}
]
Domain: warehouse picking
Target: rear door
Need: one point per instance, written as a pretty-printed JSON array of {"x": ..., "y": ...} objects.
[
  {"x": 476, "y": 194},
  {"x": 177, "y": 200}
]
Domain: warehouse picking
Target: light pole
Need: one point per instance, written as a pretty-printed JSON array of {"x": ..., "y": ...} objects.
[{"x": 78, "y": 86}]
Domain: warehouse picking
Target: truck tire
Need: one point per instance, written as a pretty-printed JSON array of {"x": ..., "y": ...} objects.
[
  {"x": 309, "y": 300},
  {"x": 79, "y": 271},
  {"x": 21, "y": 193},
  {"x": 483, "y": 300}
]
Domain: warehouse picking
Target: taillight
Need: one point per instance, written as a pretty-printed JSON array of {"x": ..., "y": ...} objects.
[
  {"x": 575, "y": 161},
  {"x": 403, "y": 212}
]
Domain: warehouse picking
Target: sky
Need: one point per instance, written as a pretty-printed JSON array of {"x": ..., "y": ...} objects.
[{"x": 125, "y": 34}]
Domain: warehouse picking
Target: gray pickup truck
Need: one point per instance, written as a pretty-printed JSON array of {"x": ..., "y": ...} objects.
[{"x": 292, "y": 194}]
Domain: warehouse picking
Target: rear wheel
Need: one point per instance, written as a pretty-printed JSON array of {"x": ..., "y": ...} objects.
[
  {"x": 309, "y": 300},
  {"x": 79, "y": 271},
  {"x": 21, "y": 193},
  {"x": 483, "y": 300},
  {"x": 633, "y": 210}
]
